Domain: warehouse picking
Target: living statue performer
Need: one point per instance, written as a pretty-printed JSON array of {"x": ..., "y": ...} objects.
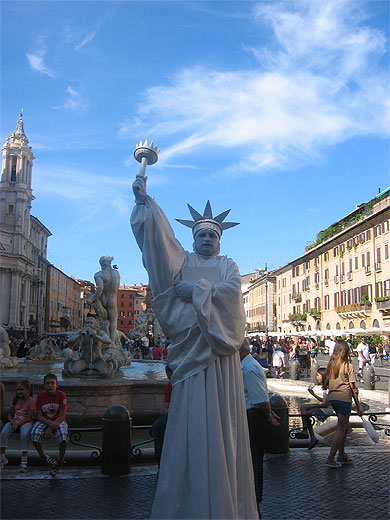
[
  {"x": 104, "y": 299},
  {"x": 206, "y": 468}
]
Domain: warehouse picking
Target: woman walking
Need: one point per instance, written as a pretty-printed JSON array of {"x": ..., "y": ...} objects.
[{"x": 342, "y": 388}]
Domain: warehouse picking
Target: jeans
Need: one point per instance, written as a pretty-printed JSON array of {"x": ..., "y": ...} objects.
[{"x": 25, "y": 430}]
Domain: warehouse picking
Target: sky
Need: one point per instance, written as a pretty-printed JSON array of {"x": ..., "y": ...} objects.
[{"x": 277, "y": 110}]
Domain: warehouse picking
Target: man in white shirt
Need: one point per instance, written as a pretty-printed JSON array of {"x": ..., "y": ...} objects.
[
  {"x": 363, "y": 351},
  {"x": 259, "y": 413}
]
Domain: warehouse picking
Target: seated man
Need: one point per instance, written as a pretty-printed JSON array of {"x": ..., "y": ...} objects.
[{"x": 51, "y": 408}]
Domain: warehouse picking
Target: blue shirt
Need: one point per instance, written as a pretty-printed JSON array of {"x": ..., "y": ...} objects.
[{"x": 255, "y": 382}]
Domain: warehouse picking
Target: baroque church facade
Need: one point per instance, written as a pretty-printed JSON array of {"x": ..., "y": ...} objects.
[{"x": 23, "y": 242}]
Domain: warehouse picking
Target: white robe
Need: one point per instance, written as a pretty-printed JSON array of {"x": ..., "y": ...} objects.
[{"x": 206, "y": 468}]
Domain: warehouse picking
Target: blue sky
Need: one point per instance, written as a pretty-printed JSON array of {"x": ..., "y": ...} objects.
[{"x": 277, "y": 110}]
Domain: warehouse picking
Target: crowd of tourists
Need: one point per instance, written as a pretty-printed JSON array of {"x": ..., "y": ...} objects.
[{"x": 275, "y": 355}]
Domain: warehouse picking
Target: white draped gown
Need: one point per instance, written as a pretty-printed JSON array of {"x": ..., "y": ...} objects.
[{"x": 206, "y": 468}]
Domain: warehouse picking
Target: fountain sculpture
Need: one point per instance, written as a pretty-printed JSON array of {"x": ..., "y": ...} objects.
[
  {"x": 6, "y": 361},
  {"x": 99, "y": 340}
]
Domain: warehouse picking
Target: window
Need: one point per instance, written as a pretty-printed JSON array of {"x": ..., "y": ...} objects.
[
  {"x": 317, "y": 304},
  {"x": 386, "y": 252},
  {"x": 386, "y": 288},
  {"x": 378, "y": 255},
  {"x": 316, "y": 277},
  {"x": 335, "y": 252},
  {"x": 284, "y": 299},
  {"x": 349, "y": 244},
  {"x": 10, "y": 209},
  {"x": 122, "y": 295},
  {"x": 13, "y": 168},
  {"x": 278, "y": 284},
  {"x": 363, "y": 260},
  {"x": 368, "y": 234},
  {"x": 308, "y": 305},
  {"x": 343, "y": 298},
  {"x": 122, "y": 314},
  {"x": 350, "y": 265},
  {"x": 362, "y": 238},
  {"x": 385, "y": 226},
  {"x": 337, "y": 270},
  {"x": 297, "y": 270},
  {"x": 122, "y": 304},
  {"x": 356, "y": 263},
  {"x": 316, "y": 261},
  {"x": 129, "y": 314},
  {"x": 336, "y": 299},
  {"x": 377, "y": 230},
  {"x": 326, "y": 256},
  {"x": 342, "y": 269},
  {"x": 284, "y": 282},
  {"x": 342, "y": 248},
  {"x": 368, "y": 258},
  {"x": 378, "y": 290},
  {"x": 308, "y": 265},
  {"x": 326, "y": 302},
  {"x": 326, "y": 275}
]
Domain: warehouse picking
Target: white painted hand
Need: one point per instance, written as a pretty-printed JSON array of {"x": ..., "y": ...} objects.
[{"x": 184, "y": 290}]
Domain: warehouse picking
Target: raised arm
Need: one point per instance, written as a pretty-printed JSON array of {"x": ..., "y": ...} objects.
[{"x": 162, "y": 255}]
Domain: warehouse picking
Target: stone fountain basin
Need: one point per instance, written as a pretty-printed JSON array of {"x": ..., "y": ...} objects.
[{"x": 139, "y": 387}]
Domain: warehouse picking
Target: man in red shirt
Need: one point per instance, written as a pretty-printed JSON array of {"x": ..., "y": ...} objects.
[{"x": 51, "y": 408}]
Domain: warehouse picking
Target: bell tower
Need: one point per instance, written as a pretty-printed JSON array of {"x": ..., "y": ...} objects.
[
  {"x": 23, "y": 242},
  {"x": 15, "y": 189}
]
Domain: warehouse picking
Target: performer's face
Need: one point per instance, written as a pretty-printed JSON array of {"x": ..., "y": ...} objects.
[{"x": 206, "y": 242}]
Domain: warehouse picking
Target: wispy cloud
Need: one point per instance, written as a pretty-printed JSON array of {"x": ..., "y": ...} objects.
[
  {"x": 74, "y": 101},
  {"x": 35, "y": 60},
  {"x": 97, "y": 192},
  {"x": 318, "y": 83},
  {"x": 73, "y": 35}
]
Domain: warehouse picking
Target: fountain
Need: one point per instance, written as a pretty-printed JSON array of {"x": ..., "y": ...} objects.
[{"x": 6, "y": 361}]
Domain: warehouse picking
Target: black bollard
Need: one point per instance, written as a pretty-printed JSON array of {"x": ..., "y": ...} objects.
[
  {"x": 116, "y": 441},
  {"x": 294, "y": 369},
  {"x": 278, "y": 439},
  {"x": 369, "y": 377}
]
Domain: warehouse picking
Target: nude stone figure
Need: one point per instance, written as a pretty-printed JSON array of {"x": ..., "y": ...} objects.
[{"x": 104, "y": 299}]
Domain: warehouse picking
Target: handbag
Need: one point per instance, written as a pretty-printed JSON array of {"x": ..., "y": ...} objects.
[{"x": 371, "y": 431}]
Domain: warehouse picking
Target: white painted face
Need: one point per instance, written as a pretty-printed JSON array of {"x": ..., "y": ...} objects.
[{"x": 206, "y": 242}]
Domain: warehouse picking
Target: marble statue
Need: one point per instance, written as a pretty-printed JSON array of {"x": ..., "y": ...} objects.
[
  {"x": 206, "y": 468},
  {"x": 92, "y": 340},
  {"x": 147, "y": 321},
  {"x": 104, "y": 299},
  {"x": 44, "y": 351},
  {"x": 6, "y": 360}
]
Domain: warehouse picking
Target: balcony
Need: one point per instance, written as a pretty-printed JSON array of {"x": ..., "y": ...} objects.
[
  {"x": 297, "y": 297},
  {"x": 354, "y": 310},
  {"x": 384, "y": 307}
]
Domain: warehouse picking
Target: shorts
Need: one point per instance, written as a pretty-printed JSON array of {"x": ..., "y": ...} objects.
[
  {"x": 319, "y": 414},
  {"x": 38, "y": 430},
  {"x": 341, "y": 407}
]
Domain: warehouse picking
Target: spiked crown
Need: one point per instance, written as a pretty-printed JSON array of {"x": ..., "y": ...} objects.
[{"x": 207, "y": 221}]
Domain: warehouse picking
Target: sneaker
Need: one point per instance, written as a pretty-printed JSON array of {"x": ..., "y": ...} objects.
[
  {"x": 53, "y": 465},
  {"x": 344, "y": 459},
  {"x": 23, "y": 466},
  {"x": 331, "y": 463},
  {"x": 3, "y": 462}
]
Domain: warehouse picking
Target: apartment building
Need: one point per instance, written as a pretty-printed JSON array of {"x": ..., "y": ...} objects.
[
  {"x": 64, "y": 303},
  {"x": 262, "y": 303},
  {"x": 343, "y": 279},
  {"x": 131, "y": 303}
]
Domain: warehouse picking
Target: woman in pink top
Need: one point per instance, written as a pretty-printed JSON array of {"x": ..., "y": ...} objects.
[
  {"x": 342, "y": 388},
  {"x": 21, "y": 416}
]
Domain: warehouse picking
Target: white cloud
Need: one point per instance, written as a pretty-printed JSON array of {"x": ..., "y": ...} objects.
[
  {"x": 319, "y": 83},
  {"x": 74, "y": 101},
  {"x": 88, "y": 38},
  {"x": 36, "y": 63}
]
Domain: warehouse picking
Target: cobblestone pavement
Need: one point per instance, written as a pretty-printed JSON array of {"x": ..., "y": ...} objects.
[{"x": 297, "y": 486}]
